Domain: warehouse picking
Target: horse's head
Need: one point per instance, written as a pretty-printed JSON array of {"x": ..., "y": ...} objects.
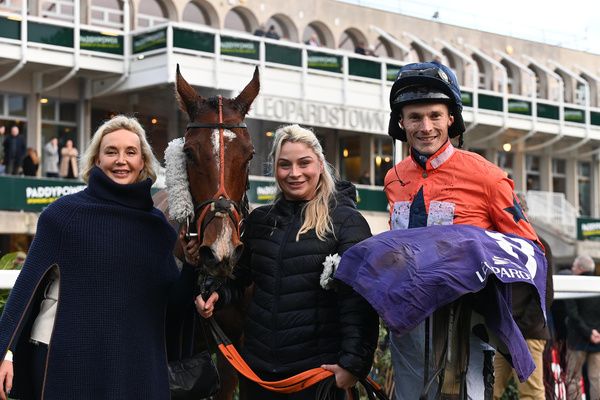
[{"x": 218, "y": 150}]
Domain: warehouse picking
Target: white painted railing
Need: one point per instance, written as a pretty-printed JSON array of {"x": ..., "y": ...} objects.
[
  {"x": 104, "y": 16},
  {"x": 59, "y": 9},
  {"x": 553, "y": 209}
]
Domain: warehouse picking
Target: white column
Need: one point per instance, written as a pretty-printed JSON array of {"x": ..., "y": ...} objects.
[
  {"x": 519, "y": 173},
  {"x": 572, "y": 183},
  {"x": 546, "y": 173}
]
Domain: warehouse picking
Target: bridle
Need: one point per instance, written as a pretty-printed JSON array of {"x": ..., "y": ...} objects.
[{"x": 220, "y": 205}]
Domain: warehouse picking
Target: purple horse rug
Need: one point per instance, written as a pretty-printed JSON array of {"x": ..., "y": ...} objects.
[{"x": 408, "y": 274}]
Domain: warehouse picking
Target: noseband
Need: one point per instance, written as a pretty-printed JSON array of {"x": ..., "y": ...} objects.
[{"x": 220, "y": 205}]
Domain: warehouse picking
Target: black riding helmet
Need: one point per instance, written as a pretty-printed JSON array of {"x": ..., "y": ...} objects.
[{"x": 429, "y": 82}]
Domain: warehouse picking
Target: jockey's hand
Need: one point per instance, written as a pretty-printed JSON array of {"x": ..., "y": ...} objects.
[
  {"x": 6, "y": 379},
  {"x": 191, "y": 248},
  {"x": 595, "y": 336},
  {"x": 206, "y": 308},
  {"x": 343, "y": 378}
]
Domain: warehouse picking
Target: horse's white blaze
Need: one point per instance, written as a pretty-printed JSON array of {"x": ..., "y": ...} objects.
[
  {"x": 216, "y": 142},
  {"x": 222, "y": 247}
]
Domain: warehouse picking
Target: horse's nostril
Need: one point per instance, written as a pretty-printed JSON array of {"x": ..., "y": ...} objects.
[{"x": 207, "y": 256}]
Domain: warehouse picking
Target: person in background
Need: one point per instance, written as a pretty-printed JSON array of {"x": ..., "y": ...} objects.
[
  {"x": 272, "y": 33},
  {"x": 51, "y": 158},
  {"x": 86, "y": 316},
  {"x": 299, "y": 317},
  {"x": 31, "y": 162},
  {"x": 14, "y": 151},
  {"x": 68, "y": 161},
  {"x": 260, "y": 31},
  {"x": 583, "y": 336},
  {"x": 313, "y": 40},
  {"x": 438, "y": 184}
]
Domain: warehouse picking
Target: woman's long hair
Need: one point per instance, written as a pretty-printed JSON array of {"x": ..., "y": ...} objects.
[
  {"x": 316, "y": 212},
  {"x": 131, "y": 124}
]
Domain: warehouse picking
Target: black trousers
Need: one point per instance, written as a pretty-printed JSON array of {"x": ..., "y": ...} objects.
[{"x": 39, "y": 352}]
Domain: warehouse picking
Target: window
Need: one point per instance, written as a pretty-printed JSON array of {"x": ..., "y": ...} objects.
[
  {"x": 532, "y": 168},
  {"x": 584, "y": 173},
  {"x": 559, "y": 176},
  {"x": 17, "y": 105},
  {"x": 59, "y": 119},
  {"x": 505, "y": 162},
  {"x": 350, "y": 158},
  {"x": 384, "y": 158}
]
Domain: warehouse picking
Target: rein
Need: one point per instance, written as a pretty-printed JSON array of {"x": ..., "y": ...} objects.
[
  {"x": 220, "y": 203},
  {"x": 292, "y": 384}
]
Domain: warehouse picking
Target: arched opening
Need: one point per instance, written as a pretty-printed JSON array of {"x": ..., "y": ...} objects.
[
  {"x": 200, "y": 12},
  {"x": 383, "y": 48},
  {"x": 456, "y": 64},
  {"x": 514, "y": 77},
  {"x": 485, "y": 74},
  {"x": 541, "y": 82},
  {"x": 354, "y": 41},
  {"x": 151, "y": 13},
  {"x": 240, "y": 19},
  {"x": 283, "y": 26},
  {"x": 107, "y": 13},
  {"x": 593, "y": 84},
  {"x": 568, "y": 84},
  {"x": 318, "y": 34}
]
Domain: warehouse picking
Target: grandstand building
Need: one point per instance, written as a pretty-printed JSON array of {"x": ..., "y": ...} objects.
[{"x": 531, "y": 108}]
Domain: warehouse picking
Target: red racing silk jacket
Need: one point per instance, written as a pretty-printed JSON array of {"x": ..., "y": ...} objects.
[{"x": 456, "y": 187}]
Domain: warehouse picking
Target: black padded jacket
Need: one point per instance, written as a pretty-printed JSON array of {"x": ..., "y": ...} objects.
[{"x": 293, "y": 324}]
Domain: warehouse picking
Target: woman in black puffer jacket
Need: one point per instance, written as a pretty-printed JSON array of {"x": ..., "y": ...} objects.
[{"x": 294, "y": 323}]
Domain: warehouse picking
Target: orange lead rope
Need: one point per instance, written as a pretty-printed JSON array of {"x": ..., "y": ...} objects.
[{"x": 292, "y": 384}]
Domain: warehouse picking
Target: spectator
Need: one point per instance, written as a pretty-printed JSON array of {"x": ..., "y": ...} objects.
[
  {"x": 360, "y": 49},
  {"x": 31, "y": 162},
  {"x": 14, "y": 151},
  {"x": 310, "y": 321},
  {"x": 19, "y": 260},
  {"x": 68, "y": 161},
  {"x": 313, "y": 40},
  {"x": 51, "y": 158},
  {"x": 86, "y": 318},
  {"x": 365, "y": 178},
  {"x": 271, "y": 33},
  {"x": 260, "y": 31},
  {"x": 583, "y": 336}
]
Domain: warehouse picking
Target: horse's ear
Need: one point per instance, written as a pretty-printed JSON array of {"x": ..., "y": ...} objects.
[
  {"x": 247, "y": 96},
  {"x": 186, "y": 95}
]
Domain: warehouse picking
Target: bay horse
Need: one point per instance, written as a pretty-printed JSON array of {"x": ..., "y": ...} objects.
[{"x": 207, "y": 178}]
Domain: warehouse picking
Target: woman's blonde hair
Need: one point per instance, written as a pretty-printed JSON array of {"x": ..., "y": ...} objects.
[
  {"x": 131, "y": 124},
  {"x": 316, "y": 212}
]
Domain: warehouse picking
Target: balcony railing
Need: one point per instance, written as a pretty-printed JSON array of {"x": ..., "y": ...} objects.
[{"x": 237, "y": 46}]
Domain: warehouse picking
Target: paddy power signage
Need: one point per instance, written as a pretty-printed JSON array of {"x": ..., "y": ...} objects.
[
  {"x": 588, "y": 229},
  {"x": 96, "y": 41},
  {"x": 30, "y": 194},
  {"x": 263, "y": 191}
]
